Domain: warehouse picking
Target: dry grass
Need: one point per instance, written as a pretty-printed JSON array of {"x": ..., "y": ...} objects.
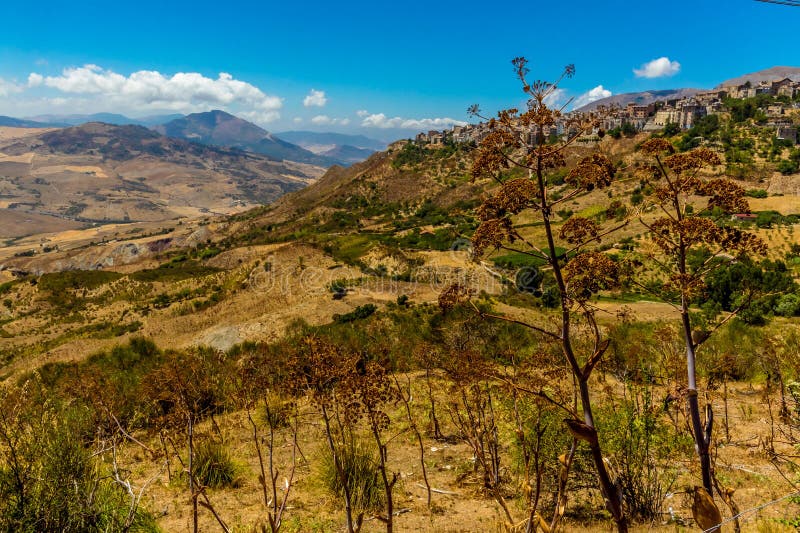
[{"x": 742, "y": 464}]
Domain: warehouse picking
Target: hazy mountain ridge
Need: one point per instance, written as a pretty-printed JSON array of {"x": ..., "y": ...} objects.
[
  {"x": 223, "y": 129},
  {"x": 311, "y": 138},
  {"x": 348, "y": 149},
  {"x": 11, "y": 122},
  {"x": 108, "y": 118}
]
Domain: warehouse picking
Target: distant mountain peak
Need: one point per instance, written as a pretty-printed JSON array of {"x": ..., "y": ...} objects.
[{"x": 219, "y": 128}]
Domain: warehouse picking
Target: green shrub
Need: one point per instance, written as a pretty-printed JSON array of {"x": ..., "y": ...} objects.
[
  {"x": 177, "y": 269},
  {"x": 49, "y": 480},
  {"x": 644, "y": 449},
  {"x": 756, "y": 193},
  {"x": 76, "y": 279},
  {"x": 360, "y": 312},
  {"x": 213, "y": 465},
  {"x": 360, "y": 468}
]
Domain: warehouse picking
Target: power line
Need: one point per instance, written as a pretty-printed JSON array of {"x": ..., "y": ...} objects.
[{"x": 794, "y": 3}]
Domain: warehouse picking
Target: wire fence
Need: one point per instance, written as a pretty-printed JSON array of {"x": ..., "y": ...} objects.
[{"x": 752, "y": 509}]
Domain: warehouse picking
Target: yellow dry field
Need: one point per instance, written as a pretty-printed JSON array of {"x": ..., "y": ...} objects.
[
  {"x": 785, "y": 205},
  {"x": 54, "y": 169},
  {"x": 26, "y": 158},
  {"x": 9, "y": 134}
]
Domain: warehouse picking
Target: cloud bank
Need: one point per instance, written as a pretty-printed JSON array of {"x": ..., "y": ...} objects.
[
  {"x": 7, "y": 88},
  {"x": 151, "y": 90},
  {"x": 325, "y": 120},
  {"x": 379, "y": 120}
]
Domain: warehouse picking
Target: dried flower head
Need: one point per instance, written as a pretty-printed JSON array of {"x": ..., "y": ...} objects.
[
  {"x": 579, "y": 230},
  {"x": 593, "y": 171},
  {"x": 725, "y": 195},
  {"x": 365, "y": 393},
  {"x": 668, "y": 234},
  {"x": 489, "y": 158},
  {"x": 511, "y": 198},
  {"x": 453, "y": 296},
  {"x": 687, "y": 284},
  {"x": 678, "y": 185},
  {"x": 692, "y": 160},
  {"x": 657, "y": 146},
  {"x": 589, "y": 273},
  {"x": 490, "y": 235},
  {"x": 741, "y": 242}
]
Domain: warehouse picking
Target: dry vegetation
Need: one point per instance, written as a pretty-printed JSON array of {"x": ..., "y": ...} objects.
[{"x": 410, "y": 346}]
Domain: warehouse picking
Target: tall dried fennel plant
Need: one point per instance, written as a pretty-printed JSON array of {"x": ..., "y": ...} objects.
[
  {"x": 517, "y": 139},
  {"x": 690, "y": 244}
]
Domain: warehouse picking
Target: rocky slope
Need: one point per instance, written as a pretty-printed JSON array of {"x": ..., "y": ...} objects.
[{"x": 100, "y": 173}]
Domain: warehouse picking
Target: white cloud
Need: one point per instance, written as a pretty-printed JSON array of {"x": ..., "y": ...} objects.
[
  {"x": 379, "y": 120},
  {"x": 590, "y": 96},
  {"x": 35, "y": 80},
  {"x": 321, "y": 120},
  {"x": 297, "y": 120},
  {"x": 362, "y": 113},
  {"x": 315, "y": 98},
  {"x": 556, "y": 98},
  {"x": 8, "y": 87},
  {"x": 658, "y": 68},
  {"x": 151, "y": 90},
  {"x": 325, "y": 120}
]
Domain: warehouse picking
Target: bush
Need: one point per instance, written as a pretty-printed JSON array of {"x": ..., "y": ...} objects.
[
  {"x": 643, "y": 447},
  {"x": 360, "y": 467},
  {"x": 787, "y": 305},
  {"x": 756, "y": 193},
  {"x": 49, "y": 480},
  {"x": 213, "y": 465},
  {"x": 360, "y": 312}
]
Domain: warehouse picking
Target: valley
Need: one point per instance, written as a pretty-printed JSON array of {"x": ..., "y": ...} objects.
[{"x": 227, "y": 303}]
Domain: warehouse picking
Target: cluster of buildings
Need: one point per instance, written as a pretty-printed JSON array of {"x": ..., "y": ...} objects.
[{"x": 684, "y": 112}]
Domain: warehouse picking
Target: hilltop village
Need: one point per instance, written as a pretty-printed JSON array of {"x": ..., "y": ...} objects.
[{"x": 654, "y": 116}]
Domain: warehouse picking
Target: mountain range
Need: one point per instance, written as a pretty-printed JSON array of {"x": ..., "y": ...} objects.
[
  {"x": 103, "y": 173},
  {"x": 219, "y": 128},
  {"x": 11, "y": 122},
  {"x": 108, "y": 118}
]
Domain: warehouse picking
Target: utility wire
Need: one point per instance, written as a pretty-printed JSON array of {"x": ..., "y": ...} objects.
[
  {"x": 794, "y": 3},
  {"x": 773, "y": 502}
]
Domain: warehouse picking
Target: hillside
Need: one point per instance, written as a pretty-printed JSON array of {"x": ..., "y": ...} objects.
[
  {"x": 223, "y": 129},
  {"x": 770, "y": 74},
  {"x": 103, "y": 174},
  {"x": 647, "y": 97},
  {"x": 358, "y": 260}
]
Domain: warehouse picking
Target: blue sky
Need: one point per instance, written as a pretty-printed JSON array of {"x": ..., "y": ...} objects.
[{"x": 421, "y": 63}]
